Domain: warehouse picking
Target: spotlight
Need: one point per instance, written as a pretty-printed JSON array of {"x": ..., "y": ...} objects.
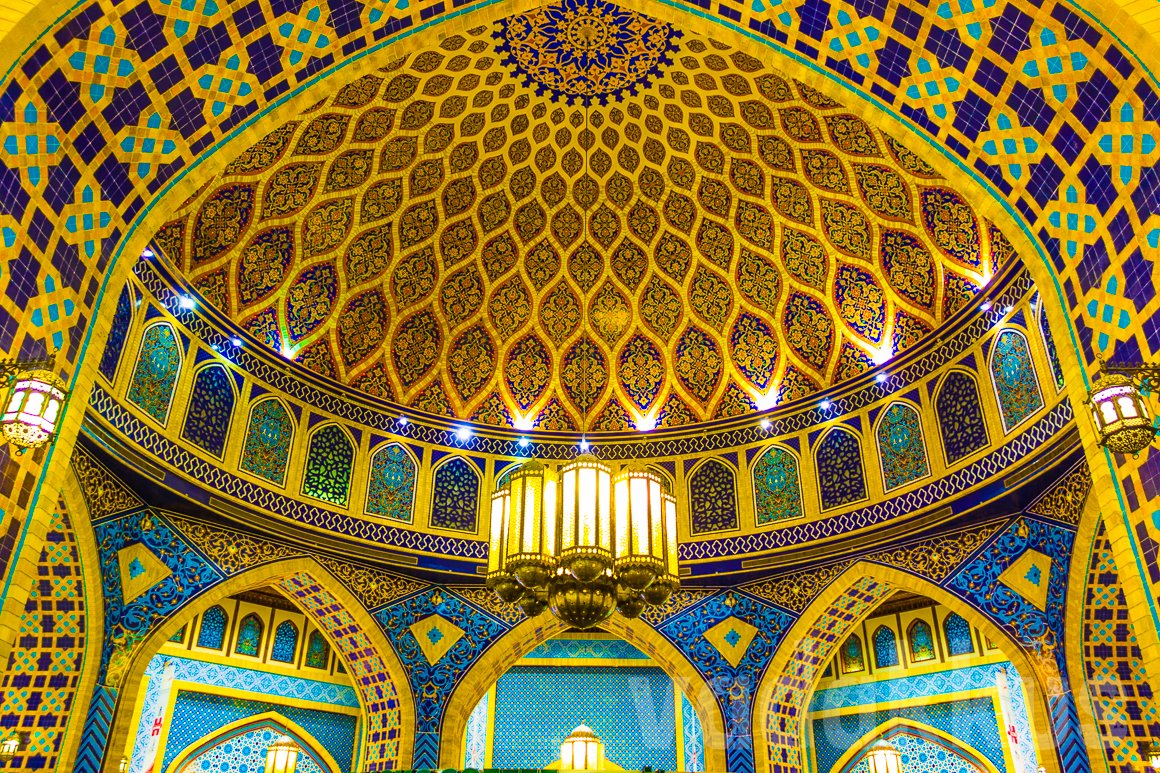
[
  {"x": 825, "y": 405},
  {"x": 523, "y": 423},
  {"x": 403, "y": 421},
  {"x": 765, "y": 424},
  {"x": 186, "y": 302},
  {"x": 288, "y": 351},
  {"x": 880, "y": 378},
  {"x": 235, "y": 341},
  {"x": 147, "y": 253},
  {"x": 584, "y": 444},
  {"x": 986, "y": 306},
  {"x": 463, "y": 434},
  {"x": 524, "y": 442},
  {"x": 646, "y": 423}
]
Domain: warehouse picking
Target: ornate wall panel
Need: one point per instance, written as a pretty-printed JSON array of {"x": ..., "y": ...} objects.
[
  {"x": 1013, "y": 375},
  {"x": 268, "y": 435},
  {"x": 155, "y": 375},
  {"x": 211, "y": 408},
  {"x": 329, "y": 465},
  {"x": 960, "y": 416},
  {"x": 901, "y": 446}
]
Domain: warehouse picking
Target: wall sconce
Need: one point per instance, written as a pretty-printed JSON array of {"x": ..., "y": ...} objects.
[
  {"x": 1119, "y": 411},
  {"x": 1150, "y": 752},
  {"x": 35, "y": 399},
  {"x": 12, "y": 745}
]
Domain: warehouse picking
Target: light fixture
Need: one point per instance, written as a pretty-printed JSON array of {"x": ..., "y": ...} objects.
[
  {"x": 1150, "y": 752},
  {"x": 236, "y": 342},
  {"x": 123, "y": 765},
  {"x": 282, "y": 755},
  {"x": 883, "y": 757},
  {"x": 583, "y": 541},
  {"x": 35, "y": 399},
  {"x": 1123, "y": 422},
  {"x": 12, "y": 745},
  {"x": 463, "y": 434},
  {"x": 582, "y": 750},
  {"x": 186, "y": 303},
  {"x": 766, "y": 424}
]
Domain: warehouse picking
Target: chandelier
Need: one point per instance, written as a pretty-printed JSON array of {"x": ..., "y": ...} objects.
[{"x": 582, "y": 541}]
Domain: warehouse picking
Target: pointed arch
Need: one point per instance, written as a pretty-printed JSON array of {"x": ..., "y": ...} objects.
[
  {"x": 957, "y": 632},
  {"x": 394, "y": 472},
  {"x": 317, "y": 651},
  {"x": 920, "y": 642},
  {"x": 885, "y": 647},
  {"x": 960, "y": 416},
  {"x": 211, "y": 630},
  {"x": 852, "y": 655},
  {"x": 307, "y": 742},
  {"x": 901, "y": 445},
  {"x": 284, "y": 648},
  {"x": 777, "y": 486},
  {"x": 154, "y": 379},
  {"x": 375, "y": 671},
  {"x": 211, "y": 409},
  {"x": 249, "y": 640},
  {"x": 840, "y": 468},
  {"x": 787, "y": 686},
  {"x": 269, "y": 437},
  {"x": 712, "y": 485},
  {"x": 896, "y": 726},
  {"x": 329, "y": 464},
  {"x": 522, "y": 639},
  {"x": 1014, "y": 378},
  {"x": 456, "y": 491}
]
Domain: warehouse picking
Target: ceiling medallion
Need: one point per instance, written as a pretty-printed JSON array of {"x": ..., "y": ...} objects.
[{"x": 585, "y": 50}]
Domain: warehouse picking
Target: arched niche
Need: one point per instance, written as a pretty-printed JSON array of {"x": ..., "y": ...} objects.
[
  {"x": 518, "y": 642},
  {"x": 896, "y": 726},
  {"x": 782, "y": 699},
  {"x": 271, "y": 719}
]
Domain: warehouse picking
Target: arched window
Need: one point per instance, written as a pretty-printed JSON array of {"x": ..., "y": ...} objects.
[
  {"x": 900, "y": 446},
  {"x": 115, "y": 342},
  {"x": 960, "y": 416},
  {"x": 391, "y": 491},
  {"x": 777, "y": 490},
  {"x": 212, "y": 634},
  {"x": 840, "y": 476},
  {"x": 317, "y": 650},
  {"x": 885, "y": 647},
  {"x": 958, "y": 633},
  {"x": 211, "y": 407},
  {"x": 455, "y": 495},
  {"x": 851, "y": 656},
  {"x": 329, "y": 460},
  {"x": 267, "y": 447},
  {"x": 249, "y": 636},
  {"x": 921, "y": 642},
  {"x": 1014, "y": 376},
  {"x": 155, "y": 376},
  {"x": 285, "y": 642},
  {"x": 713, "y": 497},
  {"x": 1049, "y": 344}
]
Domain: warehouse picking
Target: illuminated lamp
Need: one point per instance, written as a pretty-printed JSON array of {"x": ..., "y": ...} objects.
[
  {"x": 883, "y": 757},
  {"x": 282, "y": 755},
  {"x": 582, "y": 750},
  {"x": 1119, "y": 411},
  {"x": 35, "y": 400}
]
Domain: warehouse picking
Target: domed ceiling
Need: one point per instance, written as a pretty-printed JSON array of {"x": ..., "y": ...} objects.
[{"x": 583, "y": 218}]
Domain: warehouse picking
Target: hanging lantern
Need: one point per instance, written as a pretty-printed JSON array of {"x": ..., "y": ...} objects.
[
  {"x": 639, "y": 525},
  {"x": 1150, "y": 751},
  {"x": 582, "y": 750},
  {"x": 883, "y": 757},
  {"x": 34, "y": 405},
  {"x": 660, "y": 590},
  {"x": 1123, "y": 423},
  {"x": 11, "y": 746},
  {"x": 531, "y": 524},
  {"x": 498, "y": 578},
  {"x": 586, "y": 518},
  {"x": 282, "y": 755}
]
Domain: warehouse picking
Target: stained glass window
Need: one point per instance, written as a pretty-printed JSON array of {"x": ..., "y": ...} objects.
[
  {"x": 115, "y": 343},
  {"x": 328, "y": 465},
  {"x": 391, "y": 491},
  {"x": 211, "y": 407},
  {"x": 960, "y": 416},
  {"x": 249, "y": 636},
  {"x": 455, "y": 496},
  {"x": 285, "y": 642},
  {"x": 885, "y": 647},
  {"x": 901, "y": 447},
  {"x": 841, "y": 479},
  {"x": 958, "y": 632},
  {"x": 713, "y": 497},
  {"x": 1014, "y": 377},
  {"x": 851, "y": 655},
  {"x": 317, "y": 650},
  {"x": 1049, "y": 344},
  {"x": 212, "y": 634},
  {"x": 267, "y": 447},
  {"x": 921, "y": 642},
  {"x": 155, "y": 376},
  {"x": 776, "y": 486}
]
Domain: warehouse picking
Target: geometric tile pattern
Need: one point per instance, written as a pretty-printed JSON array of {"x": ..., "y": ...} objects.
[
  {"x": 1029, "y": 576},
  {"x": 246, "y": 751},
  {"x": 922, "y": 755},
  {"x": 731, "y": 637}
]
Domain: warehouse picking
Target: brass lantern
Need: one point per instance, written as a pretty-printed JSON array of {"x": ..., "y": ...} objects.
[
  {"x": 12, "y": 745},
  {"x": 1121, "y": 416},
  {"x": 34, "y": 405},
  {"x": 531, "y": 525},
  {"x": 586, "y": 518},
  {"x": 883, "y": 757},
  {"x": 582, "y": 750},
  {"x": 282, "y": 755},
  {"x": 499, "y": 579},
  {"x": 660, "y": 590},
  {"x": 639, "y": 518},
  {"x": 1150, "y": 751}
]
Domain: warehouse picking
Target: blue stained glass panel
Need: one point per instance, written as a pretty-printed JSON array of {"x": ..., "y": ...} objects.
[
  {"x": 211, "y": 407},
  {"x": 155, "y": 376},
  {"x": 285, "y": 642},
  {"x": 212, "y": 634},
  {"x": 1014, "y": 375},
  {"x": 960, "y": 416},
  {"x": 392, "y": 485},
  {"x": 841, "y": 479},
  {"x": 885, "y": 647},
  {"x": 115, "y": 343},
  {"x": 249, "y": 636},
  {"x": 901, "y": 447},
  {"x": 267, "y": 447}
]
